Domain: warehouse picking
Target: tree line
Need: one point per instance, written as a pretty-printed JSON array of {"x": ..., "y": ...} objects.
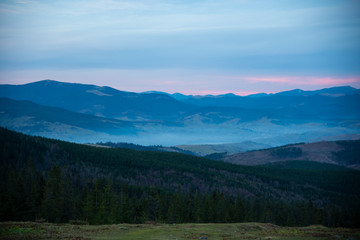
[{"x": 29, "y": 195}]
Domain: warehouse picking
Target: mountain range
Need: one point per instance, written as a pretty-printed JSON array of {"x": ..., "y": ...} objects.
[
  {"x": 341, "y": 102},
  {"x": 99, "y": 101},
  {"x": 117, "y": 180},
  {"x": 54, "y": 109}
]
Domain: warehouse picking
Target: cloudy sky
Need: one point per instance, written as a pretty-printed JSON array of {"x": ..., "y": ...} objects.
[{"x": 188, "y": 46}]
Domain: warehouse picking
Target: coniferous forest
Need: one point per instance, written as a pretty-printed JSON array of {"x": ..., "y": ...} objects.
[{"x": 56, "y": 181}]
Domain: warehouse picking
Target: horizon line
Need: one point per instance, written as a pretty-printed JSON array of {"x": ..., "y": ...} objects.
[{"x": 199, "y": 93}]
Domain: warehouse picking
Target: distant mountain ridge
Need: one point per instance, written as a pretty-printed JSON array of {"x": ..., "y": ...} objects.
[
  {"x": 344, "y": 102},
  {"x": 336, "y": 91},
  {"x": 284, "y": 100},
  {"x": 100, "y": 101}
]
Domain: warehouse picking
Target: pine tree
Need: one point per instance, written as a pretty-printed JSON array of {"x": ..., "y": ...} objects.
[
  {"x": 35, "y": 185},
  {"x": 52, "y": 205},
  {"x": 15, "y": 204},
  {"x": 89, "y": 207},
  {"x": 97, "y": 195},
  {"x": 123, "y": 206},
  {"x": 240, "y": 214},
  {"x": 106, "y": 209}
]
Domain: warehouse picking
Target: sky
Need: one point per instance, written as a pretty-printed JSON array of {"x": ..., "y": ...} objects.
[{"x": 188, "y": 46}]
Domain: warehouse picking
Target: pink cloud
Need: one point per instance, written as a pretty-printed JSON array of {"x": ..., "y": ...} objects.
[
  {"x": 183, "y": 81},
  {"x": 305, "y": 80},
  {"x": 210, "y": 92}
]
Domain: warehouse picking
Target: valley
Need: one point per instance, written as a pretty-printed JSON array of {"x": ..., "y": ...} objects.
[
  {"x": 96, "y": 155},
  {"x": 196, "y": 119}
]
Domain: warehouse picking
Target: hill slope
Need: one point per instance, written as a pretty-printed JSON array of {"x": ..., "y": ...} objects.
[
  {"x": 58, "y": 123},
  {"x": 344, "y": 153}
]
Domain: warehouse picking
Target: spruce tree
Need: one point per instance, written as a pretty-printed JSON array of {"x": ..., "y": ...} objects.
[{"x": 52, "y": 204}]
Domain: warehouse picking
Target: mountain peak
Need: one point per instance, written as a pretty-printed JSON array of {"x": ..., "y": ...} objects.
[
  {"x": 45, "y": 81},
  {"x": 294, "y": 92},
  {"x": 339, "y": 90}
]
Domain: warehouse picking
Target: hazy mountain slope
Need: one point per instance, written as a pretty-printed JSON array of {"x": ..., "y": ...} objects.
[
  {"x": 227, "y": 148},
  {"x": 289, "y": 107},
  {"x": 344, "y": 153},
  {"x": 338, "y": 103},
  {"x": 41, "y": 120},
  {"x": 156, "y": 148},
  {"x": 95, "y": 100}
]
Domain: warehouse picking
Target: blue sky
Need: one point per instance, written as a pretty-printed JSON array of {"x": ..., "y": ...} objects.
[{"x": 194, "y": 47}]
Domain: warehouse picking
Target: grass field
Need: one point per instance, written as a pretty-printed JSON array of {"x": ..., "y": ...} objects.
[{"x": 32, "y": 230}]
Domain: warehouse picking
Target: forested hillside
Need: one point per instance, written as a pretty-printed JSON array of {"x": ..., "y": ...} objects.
[{"x": 60, "y": 181}]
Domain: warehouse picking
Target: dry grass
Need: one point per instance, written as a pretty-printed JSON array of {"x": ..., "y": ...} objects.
[{"x": 231, "y": 231}]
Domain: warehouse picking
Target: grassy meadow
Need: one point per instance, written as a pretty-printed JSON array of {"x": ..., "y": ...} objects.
[{"x": 32, "y": 230}]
